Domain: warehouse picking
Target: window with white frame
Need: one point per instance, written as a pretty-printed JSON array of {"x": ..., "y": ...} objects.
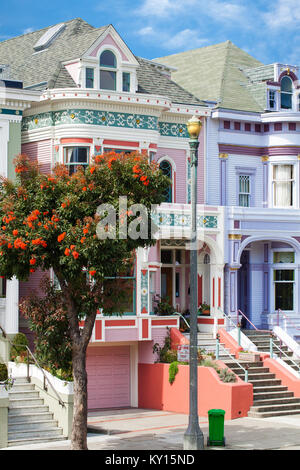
[
  {"x": 284, "y": 279},
  {"x": 166, "y": 168},
  {"x": 244, "y": 190},
  {"x": 89, "y": 77},
  {"x": 283, "y": 185},
  {"x": 272, "y": 99},
  {"x": 108, "y": 71},
  {"x": 75, "y": 157}
]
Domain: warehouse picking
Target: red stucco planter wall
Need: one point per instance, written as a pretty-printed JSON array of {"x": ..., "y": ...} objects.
[{"x": 155, "y": 391}]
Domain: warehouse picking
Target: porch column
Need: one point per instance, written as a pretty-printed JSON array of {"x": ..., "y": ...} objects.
[
  {"x": 217, "y": 289},
  {"x": 232, "y": 289},
  {"x": 11, "y": 325}
]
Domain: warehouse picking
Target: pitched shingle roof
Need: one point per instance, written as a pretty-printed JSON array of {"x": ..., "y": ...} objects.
[
  {"x": 44, "y": 69},
  {"x": 216, "y": 73}
]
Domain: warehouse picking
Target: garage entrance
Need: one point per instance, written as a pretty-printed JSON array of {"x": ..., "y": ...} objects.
[{"x": 108, "y": 370}]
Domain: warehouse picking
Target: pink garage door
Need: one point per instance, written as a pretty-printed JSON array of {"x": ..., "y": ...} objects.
[{"x": 108, "y": 370}]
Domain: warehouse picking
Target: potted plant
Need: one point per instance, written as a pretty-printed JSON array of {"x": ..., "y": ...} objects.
[
  {"x": 251, "y": 356},
  {"x": 163, "y": 306},
  {"x": 204, "y": 309}
]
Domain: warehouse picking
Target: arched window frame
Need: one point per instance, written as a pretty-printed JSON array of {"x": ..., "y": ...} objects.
[
  {"x": 106, "y": 68},
  {"x": 289, "y": 93},
  {"x": 173, "y": 174}
]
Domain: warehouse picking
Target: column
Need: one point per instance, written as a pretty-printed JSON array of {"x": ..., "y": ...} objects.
[{"x": 11, "y": 325}]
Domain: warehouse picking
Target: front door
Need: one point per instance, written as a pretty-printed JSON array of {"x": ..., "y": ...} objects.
[{"x": 167, "y": 284}]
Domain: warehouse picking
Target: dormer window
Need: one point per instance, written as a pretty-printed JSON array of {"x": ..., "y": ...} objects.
[
  {"x": 286, "y": 92},
  {"x": 108, "y": 70}
]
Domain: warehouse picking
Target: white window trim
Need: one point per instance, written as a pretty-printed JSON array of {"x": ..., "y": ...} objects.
[
  {"x": 75, "y": 144},
  {"x": 284, "y": 266},
  {"x": 279, "y": 160}
]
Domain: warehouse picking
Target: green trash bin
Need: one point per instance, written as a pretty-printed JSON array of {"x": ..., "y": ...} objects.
[{"x": 216, "y": 428}]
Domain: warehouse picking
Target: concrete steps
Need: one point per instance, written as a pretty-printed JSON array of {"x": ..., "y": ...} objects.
[
  {"x": 29, "y": 419},
  {"x": 270, "y": 397}
]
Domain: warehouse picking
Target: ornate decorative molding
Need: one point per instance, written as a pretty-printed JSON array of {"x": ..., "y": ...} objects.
[
  {"x": 223, "y": 155},
  {"x": 234, "y": 236}
]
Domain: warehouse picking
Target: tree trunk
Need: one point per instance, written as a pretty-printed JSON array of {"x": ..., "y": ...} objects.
[{"x": 79, "y": 426}]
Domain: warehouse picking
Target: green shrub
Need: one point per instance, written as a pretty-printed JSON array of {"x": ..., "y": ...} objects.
[
  {"x": 227, "y": 376},
  {"x": 3, "y": 373},
  {"x": 20, "y": 342},
  {"x": 173, "y": 370}
]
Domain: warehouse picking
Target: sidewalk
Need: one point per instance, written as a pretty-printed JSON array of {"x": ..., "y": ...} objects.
[{"x": 136, "y": 429}]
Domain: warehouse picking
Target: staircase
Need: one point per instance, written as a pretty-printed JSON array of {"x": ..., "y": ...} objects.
[
  {"x": 29, "y": 419},
  {"x": 262, "y": 340},
  {"x": 270, "y": 397},
  {"x": 207, "y": 342}
]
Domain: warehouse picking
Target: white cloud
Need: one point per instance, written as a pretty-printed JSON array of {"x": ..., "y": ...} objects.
[
  {"x": 284, "y": 13},
  {"x": 163, "y": 8},
  {"x": 181, "y": 40},
  {"x": 28, "y": 30}
]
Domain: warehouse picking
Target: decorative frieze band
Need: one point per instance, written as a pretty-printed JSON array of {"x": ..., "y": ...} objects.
[{"x": 103, "y": 118}]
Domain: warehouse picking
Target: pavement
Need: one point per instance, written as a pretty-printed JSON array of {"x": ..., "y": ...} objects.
[{"x": 140, "y": 430}]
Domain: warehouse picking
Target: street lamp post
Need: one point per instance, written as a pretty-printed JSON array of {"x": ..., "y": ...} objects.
[{"x": 193, "y": 437}]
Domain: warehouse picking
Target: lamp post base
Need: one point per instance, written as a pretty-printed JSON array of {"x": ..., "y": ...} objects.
[{"x": 193, "y": 440}]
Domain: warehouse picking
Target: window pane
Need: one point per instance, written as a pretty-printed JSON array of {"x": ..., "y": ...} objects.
[
  {"x": 177, "y": 286},
  {"x": 126, "y": 81},
  {"x": 286, "y": 84},
  {"x": 284, "y": 275},
  {"x": 178, "y": 256},
  {"x": 286, "y": 100},
  {"x": 166, "y": 256},
  {"x": 244, "y": 200},
  {"x": 284, "y": 294},
  {"x": 108, "y": 59},
  {"x": 107, "y": 80},
  {"x": 89, "y": 78},
  {"x": 166, "y": 168},
  {"x": 284, "y": 257}
]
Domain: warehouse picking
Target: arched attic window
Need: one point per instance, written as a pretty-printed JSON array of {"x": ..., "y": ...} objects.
[
  {"x": 108, "y": 70},
  {"x": 166, "y": 168},
  {"x": 286, "y": 92}
]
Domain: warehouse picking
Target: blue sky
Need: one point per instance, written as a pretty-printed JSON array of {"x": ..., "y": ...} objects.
[{"x": 270, "y": 31}]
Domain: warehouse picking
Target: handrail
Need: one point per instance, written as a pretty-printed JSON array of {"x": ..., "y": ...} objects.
[
  {"x": 257, "y": 329},
  {"x": 272, "y": 344},
  {"x": 185, "y": 321},
  {"x": 286, "y": 318},
  {"x": 37, "y": 364},
  {"x": 227, "y": 317},
  {"x": 218, "y": 345}
]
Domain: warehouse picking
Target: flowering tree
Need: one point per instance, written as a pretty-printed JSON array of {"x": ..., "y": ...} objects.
[{"x": 51, "y": 222}]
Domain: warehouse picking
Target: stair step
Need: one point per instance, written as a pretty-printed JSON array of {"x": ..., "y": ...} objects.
[
  {"x": 270, "y": 414},
  {"x": 32, "y": 426},
  {"x": 273, "y": 388},
  {"x": 20, "y": 402},
  {"x": 28, "y": 409},
  {"x": 265, "y": 382},
  {"x": 272, "y": 395},
  {"x": 31, "y": 434},
  {"x": 23, "y": 394},
  {"x": 28, "y": 417},
  {"x": 36, "y": 440},
  {"x": 276, "y": 401}
]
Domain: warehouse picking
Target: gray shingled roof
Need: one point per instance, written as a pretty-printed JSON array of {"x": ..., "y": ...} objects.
[
  {"x": 37, "y": 67},
  {"x": 40, "y": 70},
  {"x": 217, "y": 73}
]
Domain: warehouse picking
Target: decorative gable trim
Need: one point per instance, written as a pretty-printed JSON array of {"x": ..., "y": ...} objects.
[{"x": 112, "y": 38}]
